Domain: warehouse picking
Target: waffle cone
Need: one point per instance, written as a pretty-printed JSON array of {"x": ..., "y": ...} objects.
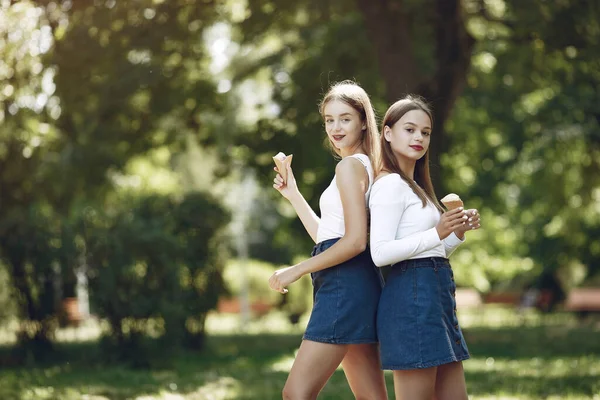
[
  {"x": 451, "y": 205},
  {"x": 452, "y": 201},
  {"x": 281, "y": 162}
]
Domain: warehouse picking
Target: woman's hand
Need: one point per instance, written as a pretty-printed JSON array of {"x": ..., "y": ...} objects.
[
  {"x": 289, "y": 188},
  {"x": 283, "y": 277},
  {"x": 450, "y": 221},
  {"x": 473, "y": 222}
]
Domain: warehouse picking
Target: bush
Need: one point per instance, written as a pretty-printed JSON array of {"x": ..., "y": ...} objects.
[
  {"x": 295, "y": 303},
  {"x": 159, "y": 264},
  {"x": 30, "y": 248},
  {"x": 257, "y": 274}
]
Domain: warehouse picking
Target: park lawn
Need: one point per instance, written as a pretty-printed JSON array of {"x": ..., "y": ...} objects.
[{"x": 544, "y": 359}]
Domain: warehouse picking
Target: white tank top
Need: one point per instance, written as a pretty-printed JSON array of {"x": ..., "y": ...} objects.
[{"x": 332, "y": 213}]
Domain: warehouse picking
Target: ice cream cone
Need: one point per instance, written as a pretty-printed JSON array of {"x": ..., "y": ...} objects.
[
  {"x": 281, "y": 162},
  {"x": 452, "y": 201}
]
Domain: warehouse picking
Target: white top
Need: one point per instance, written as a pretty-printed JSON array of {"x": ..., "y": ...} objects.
[
  {"x": 401, "y": 228},
  {"x": 332, "y": 213}
]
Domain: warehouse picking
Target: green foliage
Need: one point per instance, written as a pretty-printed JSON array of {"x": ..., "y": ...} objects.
[
  {"x": 295, "y": 303},
  {"x": 156, "y": 271},
  {"x": 257, "y": 277},
  {"x": 131, "y": 77},
  {"x": 7, "y": 302},
  {"x": 89, "y": 86},
  {"x": 525, "y": 146},
  {"x": 30, "y": 243}
]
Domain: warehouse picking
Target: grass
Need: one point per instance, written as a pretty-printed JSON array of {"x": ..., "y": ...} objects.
[{"x": 514, "y": 356}]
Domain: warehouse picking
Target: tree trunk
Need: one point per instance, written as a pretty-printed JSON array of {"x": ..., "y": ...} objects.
[
  {"x": 25, "y": 304},
  {"x": 388, "y": 26}
]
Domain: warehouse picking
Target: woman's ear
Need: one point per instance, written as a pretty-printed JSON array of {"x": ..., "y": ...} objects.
[{"x": 387, "y": 133}]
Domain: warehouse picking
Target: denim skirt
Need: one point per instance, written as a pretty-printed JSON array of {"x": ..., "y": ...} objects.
[
  {"x": 416, "y": 318},
  {"x": 345, "y": 299}
]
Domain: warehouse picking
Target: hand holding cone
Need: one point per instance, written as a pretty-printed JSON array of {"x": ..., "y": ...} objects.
[{"x": 281, "y": 162}]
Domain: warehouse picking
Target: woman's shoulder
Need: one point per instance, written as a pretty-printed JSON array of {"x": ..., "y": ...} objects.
[
  {"x": 355, "y": 159},
  {"x": 390, "y": 184},
  {"x": 351, "y": 165},
  {"x": 362, "y": 157},
  {"x": 389, "y": 178}
]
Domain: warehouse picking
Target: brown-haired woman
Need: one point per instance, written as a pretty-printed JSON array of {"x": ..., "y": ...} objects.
[
  {"x": 420, "y": 339},
  {"x": 347, "y": 285}
]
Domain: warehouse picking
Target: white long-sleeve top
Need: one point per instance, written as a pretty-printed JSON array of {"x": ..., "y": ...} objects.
[{"x": 401, "y": 228}]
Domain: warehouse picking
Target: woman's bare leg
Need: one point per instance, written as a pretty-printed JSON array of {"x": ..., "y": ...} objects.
[
  {"x": 362, "y": 367},
  {"x": 314, "y": 365},
  {"x": 450, "y": 383},
  {"x": 415, "y": 384}
]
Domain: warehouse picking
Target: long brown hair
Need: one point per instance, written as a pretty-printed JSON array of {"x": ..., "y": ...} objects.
[
  {"x": 352, "y": 94},
  {"x": 421, "y": 185}
]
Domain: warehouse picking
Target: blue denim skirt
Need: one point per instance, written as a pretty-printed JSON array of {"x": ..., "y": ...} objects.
[
  {"x": 416, "y": 319},
  {"x": 345, "y": 299}
]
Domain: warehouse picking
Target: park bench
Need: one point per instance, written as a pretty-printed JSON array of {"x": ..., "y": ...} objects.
[
  {"x": 232, "y": 305},
  {"x": 506, "y": 298},
  {"x": 583, "y": 301},
  {"x": 467, "y": 298},
  {"x": 530, "y": 298}
]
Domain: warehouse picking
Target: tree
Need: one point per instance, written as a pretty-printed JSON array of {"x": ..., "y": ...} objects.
[
  {"x": 89, "y": 87},
  {"x": 414, "y": 48},
  {"x": 525, "y": 137}
]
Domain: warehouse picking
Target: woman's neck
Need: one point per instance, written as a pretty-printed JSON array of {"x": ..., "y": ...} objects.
[
  {"x": 407, "y": 166},
  {"x": 351, "y": 151}
]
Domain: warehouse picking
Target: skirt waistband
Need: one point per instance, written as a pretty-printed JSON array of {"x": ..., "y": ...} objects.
[
  {"x": 325, "y": 244},
  {"x": 428, "y": 262}
]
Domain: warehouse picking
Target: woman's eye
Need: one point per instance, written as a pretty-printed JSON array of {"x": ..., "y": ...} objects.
[
  {"x": 426, "y": 133},
  {"x": 328, "y": 121},
  {"x": 346, "y": 120},
  {"x": 410, "y": 130}
]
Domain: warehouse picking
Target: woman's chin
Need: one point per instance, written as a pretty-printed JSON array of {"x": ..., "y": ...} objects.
[
  {"x": 410, "y": 157},
  {"x": 337, "y": 145}
]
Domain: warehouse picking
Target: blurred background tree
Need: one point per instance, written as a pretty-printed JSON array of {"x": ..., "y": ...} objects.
[{"x": 99, "y": 100}]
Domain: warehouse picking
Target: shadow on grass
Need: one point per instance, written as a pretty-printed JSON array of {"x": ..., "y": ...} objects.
[
  {"x": 534, "y": 362},
  {"x": 234, "y": 366},
  {"x": 513, "y": 383},
  {"x": 528, "y": 342},
  {"x": 523, "y": 362}
]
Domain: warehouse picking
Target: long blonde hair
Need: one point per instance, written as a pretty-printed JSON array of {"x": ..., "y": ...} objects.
[
  {"x": 421, "y": 185},
  {"x": 352, "y": 94}
]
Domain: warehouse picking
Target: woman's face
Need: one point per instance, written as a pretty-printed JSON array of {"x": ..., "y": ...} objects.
[
  {"x": 343, "y": 125},
  {"x": 410, "y": 136}
]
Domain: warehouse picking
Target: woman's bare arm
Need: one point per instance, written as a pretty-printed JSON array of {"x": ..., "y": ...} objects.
[
  {"x": 290, "y": 191},
  {"x": 352, "y": 182}
]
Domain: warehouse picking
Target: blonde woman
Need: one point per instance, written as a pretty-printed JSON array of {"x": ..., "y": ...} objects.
[{"x": 347, "y": 285}]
